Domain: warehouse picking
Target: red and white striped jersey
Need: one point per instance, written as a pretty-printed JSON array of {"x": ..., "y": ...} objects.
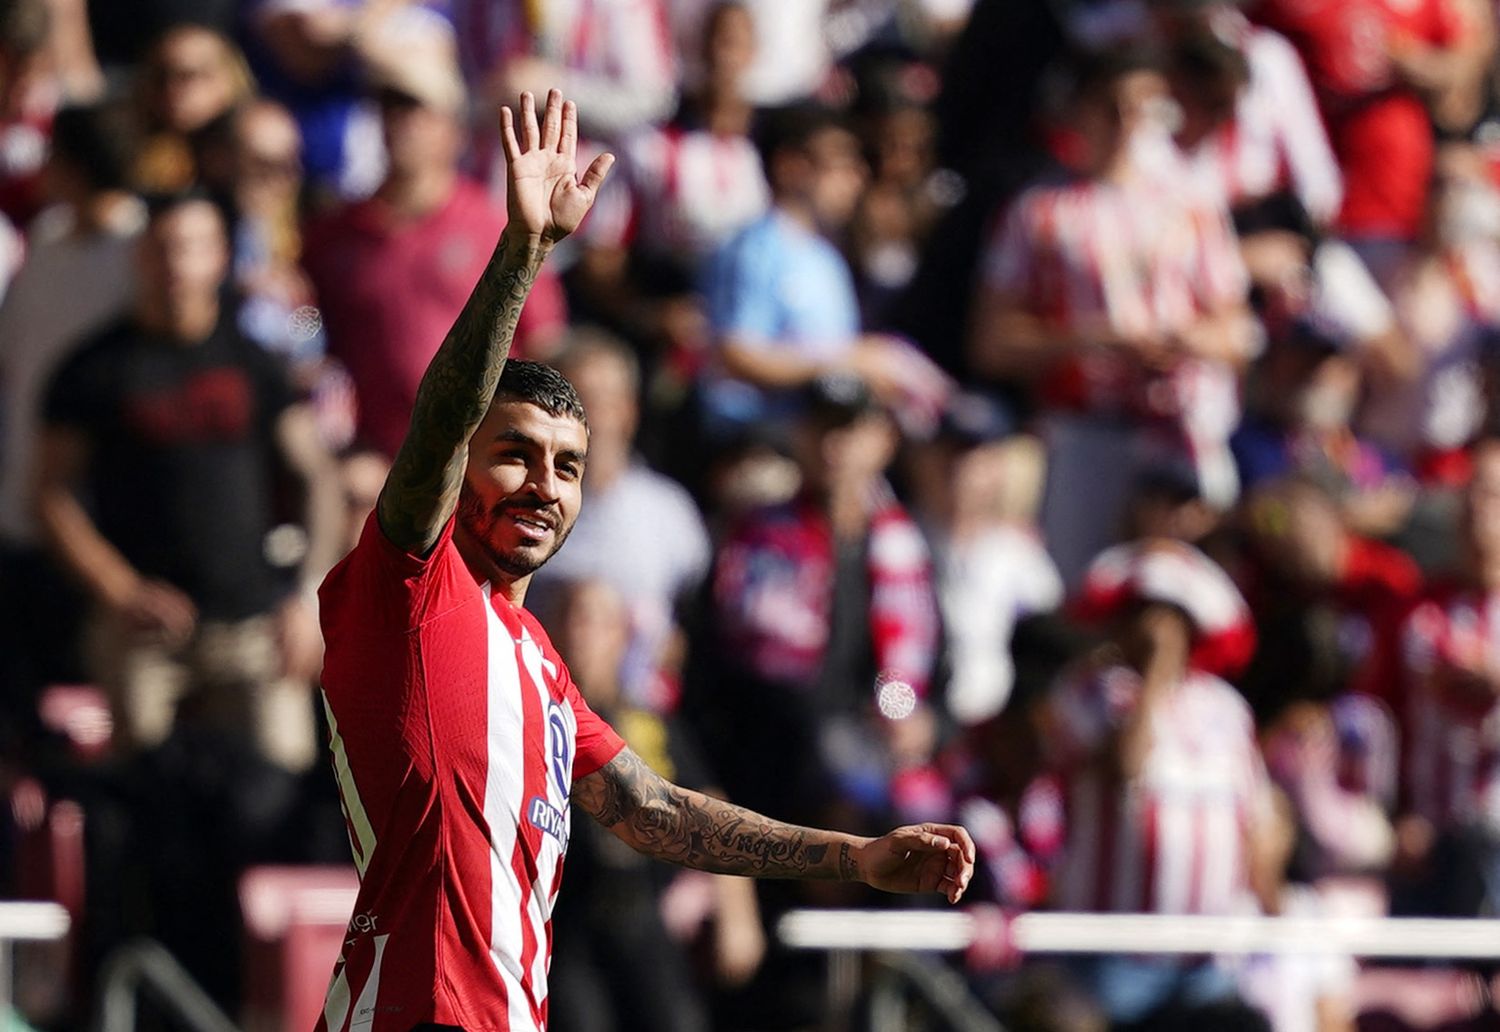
[
  {"x": 457, "y": 734},
  {"x": 683, "y": 192},
  {"x": 1452, "y": 756},
  {"x": 1175, "y": 839},
  {"x": 1143, "y": 258},
  {"x": 616, "y": 56},
  {"x": 1276, "y": 139}
]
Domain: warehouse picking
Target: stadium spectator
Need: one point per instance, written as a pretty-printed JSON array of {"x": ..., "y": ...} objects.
[
  {"x": 87, "y": 235},
  {"x": 976, "y": 489},
  {"x": 1304, "y": 399},
  {"x": 1117, "y": 301},
  {"x": 810, "y": 601},
  {"x": 309, "y": 55},
  {"x": 616, "y": 58},
  {"x": 168, "y": 421},
  {"x": 391, "y": 272},
  {"x": 1305, "y": 559},
  {"x": 1251, "y": 127},
  {"x": 639, "y": 532},
  {"x": 29, "y": 97},
  {"x": 1169, "y": 808},
  {"x": 191, "y": 81},
  {"x": 781, "y": 299},
  {"x": 1379, "y": 68},
  {"x": 276, "y": 309},
  {"x": 1446, "y": 296},
  {"x": 1451, "y": 707},
  {"x": 691, "y": 184}
]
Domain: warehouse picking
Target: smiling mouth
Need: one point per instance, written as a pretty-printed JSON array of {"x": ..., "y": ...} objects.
[{"x": 533, "y": 525}]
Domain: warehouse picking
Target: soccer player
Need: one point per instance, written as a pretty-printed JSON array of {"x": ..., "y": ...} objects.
[{"x": 458, "y": 736}]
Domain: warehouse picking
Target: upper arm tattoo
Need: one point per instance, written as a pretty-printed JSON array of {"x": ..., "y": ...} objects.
[
  {"x": 694, "y": 830},
  {"x": 422, "y": 488}
]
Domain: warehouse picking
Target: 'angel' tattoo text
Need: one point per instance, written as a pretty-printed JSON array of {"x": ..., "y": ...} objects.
[{"x": 694, "y": 830}]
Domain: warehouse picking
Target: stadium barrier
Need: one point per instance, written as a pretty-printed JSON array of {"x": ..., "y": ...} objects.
[
  {"x": 26, "y": 922},
  {"x": 1162, "y": 934}
]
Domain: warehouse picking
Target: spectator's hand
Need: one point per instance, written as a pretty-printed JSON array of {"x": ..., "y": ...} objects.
[
  {"x": 919, "y": 858},
  {"x": 545, "y": 198},
  {"x": 156, "y": 607},
  {"x": 299, "y": 639},
  {"x": 739, "y": 946}
]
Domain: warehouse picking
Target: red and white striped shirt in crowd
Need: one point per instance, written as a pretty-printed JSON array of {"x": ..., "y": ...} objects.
[
  {"x": 457, "y": 734},
  {"x": 616, "y": 55},
  {"x": 1145, "y": 257},
  {"x": 680, "y": 191},
  {"x": 1175, "y": 838},
  {"x": 1452, "y": 767},
  {"x": 1276, "y": 139}
]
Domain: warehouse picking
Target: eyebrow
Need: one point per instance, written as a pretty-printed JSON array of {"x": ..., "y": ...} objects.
[{"x": 515, "y": 436}]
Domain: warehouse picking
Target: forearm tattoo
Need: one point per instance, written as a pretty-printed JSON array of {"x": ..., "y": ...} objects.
[
  {"x": 422, "y": 488},
  {"x": 694, "y": 830}
]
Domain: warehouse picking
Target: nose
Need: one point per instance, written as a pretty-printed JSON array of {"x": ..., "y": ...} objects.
[{"x": 542, "y": 481}]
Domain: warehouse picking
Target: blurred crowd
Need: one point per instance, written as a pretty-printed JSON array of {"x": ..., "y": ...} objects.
[{"x": 1076, "y": 418}]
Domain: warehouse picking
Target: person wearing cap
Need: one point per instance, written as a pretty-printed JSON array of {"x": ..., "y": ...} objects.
[
  {"x": 1169, "y": 808},
  {"x": 810, "y": 602},
  {"x": 392, "y": 272}
]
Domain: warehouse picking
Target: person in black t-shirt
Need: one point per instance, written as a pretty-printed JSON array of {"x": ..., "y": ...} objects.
[{"x": 155, "y": 490}]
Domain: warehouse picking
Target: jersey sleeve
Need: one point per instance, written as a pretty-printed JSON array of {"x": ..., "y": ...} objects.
[
  {"x": 386, "y": 585},
  {"x": 596, "y": 743}
]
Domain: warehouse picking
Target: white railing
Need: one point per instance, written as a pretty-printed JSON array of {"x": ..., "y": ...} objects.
[
  {"x": 1052, "y": 933},
  {"x": 26, "y": 922}
]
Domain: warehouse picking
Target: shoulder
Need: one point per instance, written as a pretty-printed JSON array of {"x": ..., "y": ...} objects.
[{"x": 1222, "y": 698}]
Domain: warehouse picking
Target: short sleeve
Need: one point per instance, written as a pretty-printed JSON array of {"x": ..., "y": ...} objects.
[
  {"x": 596, "y": 742},
  {"x": 742, "y": 290}
]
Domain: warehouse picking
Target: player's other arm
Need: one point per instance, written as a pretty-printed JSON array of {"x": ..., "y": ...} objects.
[
  {"x": 681, "y": 826},
  {"x": 545, "y": 200}
]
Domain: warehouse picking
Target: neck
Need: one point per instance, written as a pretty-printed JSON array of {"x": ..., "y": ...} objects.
[
  {"x": 483, "y": 568},
  {"x": 100, "y": 211},
  {"x": 1486, "y": 570},
  {"x": 799, "y": 211},
  {"x": 724, "y": 112},
  {"x": 188, "y": 322},
  {"x": 418, "y": 192}
]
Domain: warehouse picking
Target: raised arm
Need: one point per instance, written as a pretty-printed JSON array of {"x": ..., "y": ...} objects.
[
  {"x": 680, "y": 826},
  {"x": 545, "y": 200}
]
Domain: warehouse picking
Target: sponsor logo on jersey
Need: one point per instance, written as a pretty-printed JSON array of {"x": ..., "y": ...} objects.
[{"x": 549, "y": 819}]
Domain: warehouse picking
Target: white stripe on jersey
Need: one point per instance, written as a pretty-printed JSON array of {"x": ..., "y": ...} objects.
[
  {"x": 504, "y": 786},
  {"x": 364, "y": 1010},
  {"x": 361, "y": 832},
  {"x": 547, "y": 857},
  {"x": 336, "y": 1006},
  {"x": 1174, "y": 853}
]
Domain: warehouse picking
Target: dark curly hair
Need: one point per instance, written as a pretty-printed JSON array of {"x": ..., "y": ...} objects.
[{"x": 542, "y": 386}]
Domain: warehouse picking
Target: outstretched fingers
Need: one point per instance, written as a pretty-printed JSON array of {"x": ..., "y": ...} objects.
[
  {"x": 508, "y": 134},
  {"x": 567, "y": 142},
  {"x": 552, "y": 119},
  {"x": 531, "y": 133}
]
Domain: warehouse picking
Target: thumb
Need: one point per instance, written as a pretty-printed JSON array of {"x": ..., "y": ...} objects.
[{"x": 593, "y": 176}]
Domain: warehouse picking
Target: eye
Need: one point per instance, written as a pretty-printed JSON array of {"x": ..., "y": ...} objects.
[{"x": 568, "y": 470}]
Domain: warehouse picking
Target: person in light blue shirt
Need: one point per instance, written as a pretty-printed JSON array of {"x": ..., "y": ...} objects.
[{"x": 781, "y": 301}]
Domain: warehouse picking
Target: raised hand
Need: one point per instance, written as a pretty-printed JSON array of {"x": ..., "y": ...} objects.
[
  {"x": 920, "y": 858},
  {"x": 545, "y": 197}
]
